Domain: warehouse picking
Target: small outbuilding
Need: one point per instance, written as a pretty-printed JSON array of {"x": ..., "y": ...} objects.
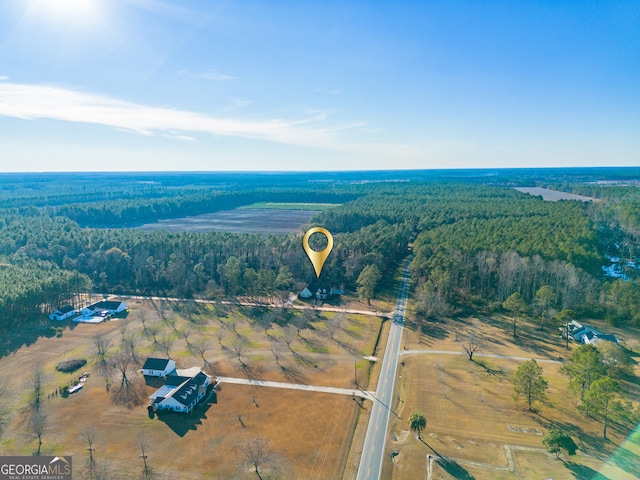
[
  {"x": 305, "y": 293},
  {"x": 63, "y": 313},
  {"x": 158, "y": 367}
]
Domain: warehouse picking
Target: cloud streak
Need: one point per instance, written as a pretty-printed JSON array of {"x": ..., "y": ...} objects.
[{"x": 32, "y": 102}]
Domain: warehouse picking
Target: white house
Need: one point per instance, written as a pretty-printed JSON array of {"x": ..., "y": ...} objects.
[
  {"x": 305, "y": 293},
  {"x": 321, "y": 294},
  {"x": 158, "y": 367},
  {"x": 107, "y": 307},
  {"x": 180, "y": 394},
  {"x": 62, "y": 313}
]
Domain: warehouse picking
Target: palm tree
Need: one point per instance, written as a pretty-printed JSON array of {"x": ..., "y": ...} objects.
[{"x": 417, "y": 423}]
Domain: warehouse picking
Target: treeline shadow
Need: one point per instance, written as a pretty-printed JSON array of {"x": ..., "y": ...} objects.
[
  {"x": 589, "y": 443},
  {"x": 13, "y": 338},
  {"x": 582, "y": 472}
]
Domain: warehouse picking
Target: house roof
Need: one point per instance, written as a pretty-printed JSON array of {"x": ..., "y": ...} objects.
[
  {"x": 188, "y": 392},
  {"x": 606, "y": 336},
  {"x": 588, "y": 332},
  {"x": 175, "y": 380},
  {"x": 105, "y": 305},
  {"x": 156, "y": 363},
  {"x": 65, "y": 309}
]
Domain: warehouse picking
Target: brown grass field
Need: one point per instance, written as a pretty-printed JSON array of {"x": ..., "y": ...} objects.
[
  {"x": 309, "y": 433},
  {"x": 473, "y": 421}
]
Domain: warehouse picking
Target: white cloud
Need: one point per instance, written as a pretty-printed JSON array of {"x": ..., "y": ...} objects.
[
  {"x": 179, "y": 137},
  {"x": 31, "y": 102},
  {"x": 3, "y": 77}
]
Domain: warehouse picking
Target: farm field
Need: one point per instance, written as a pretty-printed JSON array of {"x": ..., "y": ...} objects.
[
  {"x": 473, "y": 421},
  {"x": 555, "y": 195},
  {"x": 308, "y": 433},
  {"x": 240, "y": 220}
]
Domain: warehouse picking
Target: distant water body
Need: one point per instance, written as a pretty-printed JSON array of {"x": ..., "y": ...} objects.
[{"x": 253, "y": 220}]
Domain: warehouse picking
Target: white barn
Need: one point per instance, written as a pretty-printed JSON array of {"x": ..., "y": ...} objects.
[
  {"x": 63, "y": 313},
  {"x": 158, "y": 367}
]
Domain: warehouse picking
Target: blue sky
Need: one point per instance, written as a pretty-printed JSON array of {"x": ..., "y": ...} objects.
[{"x": 101, "y": 85}]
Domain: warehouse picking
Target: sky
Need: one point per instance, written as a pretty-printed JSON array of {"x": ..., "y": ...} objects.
[{"x": 206, "y": 85}]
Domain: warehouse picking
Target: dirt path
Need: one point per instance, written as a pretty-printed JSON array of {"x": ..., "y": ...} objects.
[
  {"x": 248, "y": 304},
  {"x": 299, "y": 386}
]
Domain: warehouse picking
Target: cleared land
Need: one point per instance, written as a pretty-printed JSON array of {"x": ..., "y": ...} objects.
[
  {"x": 310, "y": 433},
  {"x": 241, "y": 220},
  {"x": 315, "y": 207},
  {"x": 473, "y": 421},
  {"x": 554, "y": 195}
]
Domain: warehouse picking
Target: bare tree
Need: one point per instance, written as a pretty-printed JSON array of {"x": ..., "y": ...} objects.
[
  {"x": 471, "y": 345},
  {"x": 142, "y": 315},
  {"x": 257, "y": 453},
  {"x": 101, "y": 346},
  {"x": 130, "y": 343},
  {"x": 266, "y": 321},
  {"x": 288, "y": 336},
  {"x": 164, "y": 345},
  {"x": 185, "y": 333},
  {"x": 153, "y": 329},
  {"x": 240, "y": 347},
  {"x": 38, "y": 425},
  {"x": 334, "y": 324},
  {"x": 142, "y": 443},
  {"x": 220, "y": 335},
  {"x": 36, "y": 387},
  {"x": 301, "y": 321},
  {"x": 171, "y": 320},
  {"x": 123, "y": 328},
  {"x": 127, "y": 392},
  {"x": 278, "y": 351},
  {"x": 89, "y": 436},
  {"x": 201, "y": 347}
]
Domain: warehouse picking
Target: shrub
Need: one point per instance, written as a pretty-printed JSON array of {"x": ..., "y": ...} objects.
[{"x": 69, "y": 366}]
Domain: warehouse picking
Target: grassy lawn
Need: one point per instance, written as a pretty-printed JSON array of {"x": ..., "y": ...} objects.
[
  {"x": 473, "y": 421},
  {"x": 310, "y": 433}
]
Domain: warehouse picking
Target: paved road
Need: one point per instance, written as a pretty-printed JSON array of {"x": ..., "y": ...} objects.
[
  {"x": 488, "y": 355},
  {"x": 373, "y": 450},
  {"x": 298, "y": 386}
]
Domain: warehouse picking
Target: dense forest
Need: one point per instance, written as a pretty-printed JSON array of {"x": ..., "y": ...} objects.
[{"x": 475, "y": 240}]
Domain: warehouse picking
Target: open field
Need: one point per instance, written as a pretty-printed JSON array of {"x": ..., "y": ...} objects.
[
  {"x": 241, "y": 220},
  {"x": 473, "y": 421},
  {"x": 555, "y": 195},
  {"x": 310, "y": 433},
  {"x": 314, "y": 207}
]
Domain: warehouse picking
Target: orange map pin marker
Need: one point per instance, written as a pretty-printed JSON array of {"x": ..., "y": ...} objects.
[{"x": 317, "y": 258}]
